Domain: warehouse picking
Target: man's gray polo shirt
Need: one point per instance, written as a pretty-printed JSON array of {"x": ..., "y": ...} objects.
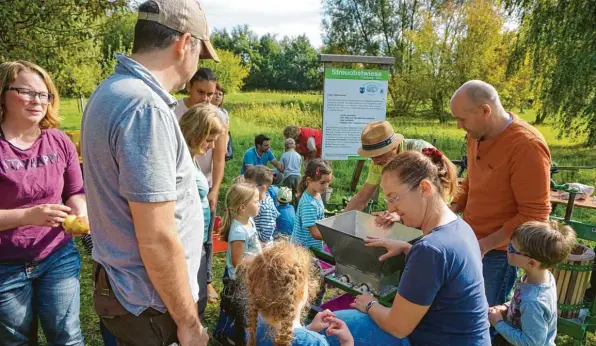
[{"x": 133, "y": 150}]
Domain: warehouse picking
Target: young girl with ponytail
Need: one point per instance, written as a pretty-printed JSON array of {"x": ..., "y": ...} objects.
[
  {"x": 316, "y": 180},
  {"x": 242, "y": 204}
]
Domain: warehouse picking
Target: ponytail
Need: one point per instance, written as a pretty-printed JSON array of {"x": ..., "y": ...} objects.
[
  {"x": 302, "y": 185},
  {"x": 227, "y": 224},
  {"x": 446, "y": 171}
]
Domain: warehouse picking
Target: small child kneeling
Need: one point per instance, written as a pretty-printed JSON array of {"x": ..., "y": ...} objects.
[
  {"x": 530, "y": 318},
  {"x": 280, "y": 282}
]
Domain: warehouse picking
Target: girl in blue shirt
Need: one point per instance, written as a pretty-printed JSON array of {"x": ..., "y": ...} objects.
[{"x": 316, "y": 180}]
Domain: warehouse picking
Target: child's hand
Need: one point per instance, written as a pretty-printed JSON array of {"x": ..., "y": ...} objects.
[
  {"x": 339, "y": 328},
  {"x": 500, "y": 308},
  {"x": 494, "y": 316},
  {"x": 320, "y": 321}
]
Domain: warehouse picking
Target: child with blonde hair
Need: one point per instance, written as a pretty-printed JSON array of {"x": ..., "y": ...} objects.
[
  {"x": 530, "y": 318},
  {"x": 280, "y": 282},
  {"x": 242, "y": 205}
]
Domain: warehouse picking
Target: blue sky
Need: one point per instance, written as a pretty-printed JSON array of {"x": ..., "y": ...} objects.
[{"x": 281, "y": 17}]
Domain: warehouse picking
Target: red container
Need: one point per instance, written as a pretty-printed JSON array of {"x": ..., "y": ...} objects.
[{"x": 218, "y": 244}]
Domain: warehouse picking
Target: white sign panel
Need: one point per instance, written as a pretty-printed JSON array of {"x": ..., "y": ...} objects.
[{"x": 352, "y": 99}]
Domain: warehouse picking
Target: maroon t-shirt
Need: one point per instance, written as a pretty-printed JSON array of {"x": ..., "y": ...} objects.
[{"x": 47, "y": 172}]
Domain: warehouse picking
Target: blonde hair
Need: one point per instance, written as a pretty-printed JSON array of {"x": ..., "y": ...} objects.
[
  {"x": 411, "y": 167},
  {"x": 198, "y": 123},
  {"x": 9, "y": 72},
  {"x": 547, "y": 242},
  {"x": 238, "y": 195},
  {"x": 276, "y": 281},
  {"x": 292, "y": 132}
]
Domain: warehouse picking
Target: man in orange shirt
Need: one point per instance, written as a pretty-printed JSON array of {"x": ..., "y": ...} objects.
[{"x": 508, "y": 179}]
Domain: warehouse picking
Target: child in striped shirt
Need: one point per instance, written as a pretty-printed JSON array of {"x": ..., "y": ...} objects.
[
  {"x": 265, "y": 221},
  {"x": 316, "y": 180}
]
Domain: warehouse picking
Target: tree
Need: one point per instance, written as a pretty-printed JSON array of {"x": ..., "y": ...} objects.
[
  {"x": 229, "y": 71},
  {"x": 560, "y": 37},
  {"x": 290, "y": 64},
  {"x": 59, "y": 35}
]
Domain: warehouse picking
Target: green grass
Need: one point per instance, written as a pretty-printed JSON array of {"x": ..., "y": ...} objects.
[{"x": 268, "y": 113}]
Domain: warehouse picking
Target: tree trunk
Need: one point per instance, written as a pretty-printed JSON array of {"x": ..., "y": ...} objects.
[
  {"x": 540, "y": 117},
  {"x": 437, "y": 108}
]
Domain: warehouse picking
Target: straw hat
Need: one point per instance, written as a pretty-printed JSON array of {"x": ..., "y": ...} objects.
[{"x": 378, "y": 138}]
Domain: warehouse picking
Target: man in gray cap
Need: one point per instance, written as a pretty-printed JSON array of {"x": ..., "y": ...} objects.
[{"x": 144, "y": 207}]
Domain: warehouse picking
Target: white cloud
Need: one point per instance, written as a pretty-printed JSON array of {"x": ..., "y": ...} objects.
[{"x": 281, "y": 17}]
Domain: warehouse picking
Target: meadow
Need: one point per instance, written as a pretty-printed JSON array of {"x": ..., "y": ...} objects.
[{"x": 268, "y": 113}]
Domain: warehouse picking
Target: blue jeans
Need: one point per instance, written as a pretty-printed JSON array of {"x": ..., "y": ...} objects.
[
  {"x": 365, "y": 331},
  {"x": 51, "y": 287},
  {"x": 499, "y": 277}
]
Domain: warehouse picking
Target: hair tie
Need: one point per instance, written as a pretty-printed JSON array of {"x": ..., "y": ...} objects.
[
  {"x": 433, "y": 153},
  {"x": 318, "y": 171}
]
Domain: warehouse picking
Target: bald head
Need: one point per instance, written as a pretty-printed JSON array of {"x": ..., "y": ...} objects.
[
  {"x": 477, "y": 109},
  {"x": 478, "y": 92}
]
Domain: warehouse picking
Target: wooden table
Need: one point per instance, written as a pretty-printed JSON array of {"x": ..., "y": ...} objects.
[{"x": 555, "y": 198}]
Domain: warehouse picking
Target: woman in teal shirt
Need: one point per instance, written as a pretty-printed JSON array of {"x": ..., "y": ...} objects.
[{"x": 201, "y": 126}]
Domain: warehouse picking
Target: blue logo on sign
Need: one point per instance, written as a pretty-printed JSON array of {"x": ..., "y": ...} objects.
[{"x": 371, "y": 89}]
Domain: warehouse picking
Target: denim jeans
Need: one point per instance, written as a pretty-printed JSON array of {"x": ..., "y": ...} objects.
[
  {"x": 51, "y": 288},
  {"x": 499, "y": 277},
  {"x": 365, "y": 331}
]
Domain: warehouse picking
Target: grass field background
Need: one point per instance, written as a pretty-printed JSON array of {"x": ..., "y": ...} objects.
[{"x": 268, "y": 113}]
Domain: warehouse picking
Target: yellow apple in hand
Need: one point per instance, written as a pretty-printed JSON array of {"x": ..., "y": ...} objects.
[
  {"x": 76, "y": 226},
  {"x": 81, "y": 225},
  {"x": 68, "y": 223}
]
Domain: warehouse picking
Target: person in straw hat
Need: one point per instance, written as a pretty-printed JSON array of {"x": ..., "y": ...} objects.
[{"x": 381, "y": 144}]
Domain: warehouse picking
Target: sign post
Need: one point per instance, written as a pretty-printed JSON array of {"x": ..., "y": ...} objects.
[{"x": 352, "y": 98}]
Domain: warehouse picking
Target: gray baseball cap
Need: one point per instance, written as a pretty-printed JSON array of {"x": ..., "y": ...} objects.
[{"x": 184, "y": 16}]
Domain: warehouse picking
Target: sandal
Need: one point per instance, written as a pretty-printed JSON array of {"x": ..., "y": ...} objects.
[{"x": 212, "y": 295}]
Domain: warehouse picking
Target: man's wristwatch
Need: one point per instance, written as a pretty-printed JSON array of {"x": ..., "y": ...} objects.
[{"x": 369, "y": 305}]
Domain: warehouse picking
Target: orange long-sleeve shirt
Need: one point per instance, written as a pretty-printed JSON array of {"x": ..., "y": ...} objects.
[{"x": 508, "y": 181}]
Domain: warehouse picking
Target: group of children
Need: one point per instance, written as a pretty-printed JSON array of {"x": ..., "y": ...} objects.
[{"x": 251, "y": 223}]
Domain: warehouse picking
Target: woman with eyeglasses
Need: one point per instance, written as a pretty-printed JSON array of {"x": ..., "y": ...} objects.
[
  {"x": 440, "y": 297},
  {"x": 40, "y": 184}
]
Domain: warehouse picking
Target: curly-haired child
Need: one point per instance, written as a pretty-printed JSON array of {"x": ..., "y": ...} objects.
[
  {"x": 280, "y": 282},
  {"x": 530, "y": 318}
]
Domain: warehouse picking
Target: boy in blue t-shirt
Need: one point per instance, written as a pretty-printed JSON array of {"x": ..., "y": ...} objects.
[
  {"x": 262, "y": 178},
  {"x": 285, "y": 220}
]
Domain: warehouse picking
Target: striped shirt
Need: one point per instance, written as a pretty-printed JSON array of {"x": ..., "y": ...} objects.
[
  {"x": 310, "y": 210},
  {"x": 266, "y": 219}
]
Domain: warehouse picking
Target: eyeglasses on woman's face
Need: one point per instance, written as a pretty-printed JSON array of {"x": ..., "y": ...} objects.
[{"x": 30, "y": 95}]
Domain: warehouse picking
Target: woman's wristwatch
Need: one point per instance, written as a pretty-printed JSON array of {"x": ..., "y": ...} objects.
[{"x": 369, "y": 305}]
